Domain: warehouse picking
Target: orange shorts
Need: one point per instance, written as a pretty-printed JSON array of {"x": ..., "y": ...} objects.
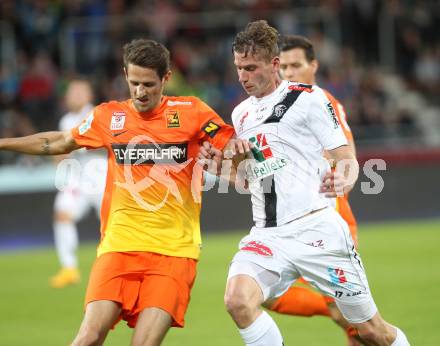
[{"x": 138, "y": 280}]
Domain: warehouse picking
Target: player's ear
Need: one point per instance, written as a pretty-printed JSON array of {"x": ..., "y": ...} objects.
[
  {"x": 315, "y": 65},
  {"x": 125, "y": 73},
  {"x": 276, "y": 63},
  {"x": 167, "y": 76}
]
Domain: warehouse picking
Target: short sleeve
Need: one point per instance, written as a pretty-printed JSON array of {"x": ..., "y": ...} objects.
[
  {"x": 88, "y": 133},
  {"x": 212, "y": 126},
  {"x": 323, "y": 122}
]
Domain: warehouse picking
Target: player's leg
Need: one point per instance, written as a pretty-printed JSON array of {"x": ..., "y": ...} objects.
[
  {"x": 300, "y": 301},
  {"x": 151, "y": 327},
  {"x": 304, "y": 301},
  {"x": 163, "y": 298},
  {"x": 99, "y": 318},
  {"x": 66, "y": 239},
  {"x": 243, "y": 299},
  {"x": 337, "y": 270},
  {"x": 353, "y": 338}
]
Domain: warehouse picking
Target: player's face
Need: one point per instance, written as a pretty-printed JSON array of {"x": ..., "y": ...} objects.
[
  {"x": 78, "y": 94},
  {"x": 257, "y": 75},
  {"x": 294, "y": 66},
  {"x": 146, "y": 88}
]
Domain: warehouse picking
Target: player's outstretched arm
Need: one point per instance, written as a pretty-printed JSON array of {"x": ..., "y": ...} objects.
[{"x": 43, "y": 143}]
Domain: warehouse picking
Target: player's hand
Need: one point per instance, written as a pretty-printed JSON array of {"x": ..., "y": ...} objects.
[
  {"x": 210, "y": 158},
  {"x": 333, "y": 185},
  {"x": 237, "y": 146}
]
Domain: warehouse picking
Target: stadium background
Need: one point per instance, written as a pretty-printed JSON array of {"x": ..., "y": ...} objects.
[{"x": 381, "y": 59}]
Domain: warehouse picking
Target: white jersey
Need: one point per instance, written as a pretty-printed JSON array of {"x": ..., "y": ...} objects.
[
  {"x": 73, "y": 119},
  {"x": 92, "y": 164},
  {"x": 289, "y": 129}
]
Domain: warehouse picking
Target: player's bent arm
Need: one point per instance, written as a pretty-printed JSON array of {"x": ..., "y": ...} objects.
[
  {"x": 346, "y": 165},
  {"x": 43, "y": 143},
  {"x": 350, "y": 144}
]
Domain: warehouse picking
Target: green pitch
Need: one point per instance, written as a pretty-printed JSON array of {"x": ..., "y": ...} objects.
[{"x": 402, "y": 263}]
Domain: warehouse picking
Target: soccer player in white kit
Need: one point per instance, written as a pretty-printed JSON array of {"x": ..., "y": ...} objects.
[
  {"x": 296, "y": 233},
  {"x": 83, "y": 190}
]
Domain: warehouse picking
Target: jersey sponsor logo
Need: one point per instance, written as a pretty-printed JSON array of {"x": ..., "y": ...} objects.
[
  {"x": 258, "y": 248},
  {"x": 86, "y": 124},
  {"x": 172, "y": 117},
  {"x": 332, "y": 113},
  {"x": 260, "y": 150},
  {"x": 147, "y": 154},
  {"x": 265, "y": 164},
  {"x": 179, "y": 103},
  {"x": 261, "y": 170},
  {"x": 301, "y": 87},
  {"x": 118, "y": 121},
  {"x": 211, "y": 128}
]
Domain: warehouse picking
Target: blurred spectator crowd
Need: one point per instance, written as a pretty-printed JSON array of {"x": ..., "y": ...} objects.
[{"x": 381, "y": 59}]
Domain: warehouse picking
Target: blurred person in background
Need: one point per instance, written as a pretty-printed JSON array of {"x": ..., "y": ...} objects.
[
  {"x": 82, "y": 192},
  {"x": 298, "y": 63},
  {"x": 296, "y": 232},
  {"x": 150, "y": 217}
]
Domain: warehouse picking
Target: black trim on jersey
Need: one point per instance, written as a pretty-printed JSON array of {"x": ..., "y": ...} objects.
[
  {"x": 281, "y": 107},
  {"x": 270, "y": 201}
]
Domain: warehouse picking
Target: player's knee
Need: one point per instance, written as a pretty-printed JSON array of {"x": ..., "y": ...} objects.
[{"x": 237, "y": 303}]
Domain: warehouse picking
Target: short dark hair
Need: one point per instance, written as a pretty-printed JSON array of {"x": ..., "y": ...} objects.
[
  {"x": 149, "y": 54},
  {"x": 258, "y": 38},
  {"x": 289, "y": 42}
]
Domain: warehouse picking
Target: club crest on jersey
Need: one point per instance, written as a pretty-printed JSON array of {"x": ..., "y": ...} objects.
[
  {"x": 118, "y": 121},
  {"x": 332, "y": 113},
  {"x": 172, "y": 117}
]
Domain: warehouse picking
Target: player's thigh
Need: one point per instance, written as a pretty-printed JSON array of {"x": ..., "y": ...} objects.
[
  {"x": 263, "y": 259},
  {"x": 167, "y": 286},
  {"x": 100, "y": 316},
  {"x": 151, "y": 327}
]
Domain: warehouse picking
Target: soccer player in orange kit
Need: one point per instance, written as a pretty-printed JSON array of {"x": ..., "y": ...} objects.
[
  {"x": 298, "y": 63},
  {"x": 150, "y": 215}
]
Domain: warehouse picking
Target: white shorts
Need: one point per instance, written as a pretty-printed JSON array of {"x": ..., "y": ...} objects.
[{"x": 317, "y": 247}]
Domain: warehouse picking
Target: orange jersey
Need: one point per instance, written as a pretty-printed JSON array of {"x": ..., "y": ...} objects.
[
  {"x": 152, "y": 200},
  {"x": 342, "y": 204}
]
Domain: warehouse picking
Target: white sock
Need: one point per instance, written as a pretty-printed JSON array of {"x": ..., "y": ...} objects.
[
  {"x": 262, "y": 332},
  {"x": 401, "y": 339},
  {"x": 66, "y": 243}
]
